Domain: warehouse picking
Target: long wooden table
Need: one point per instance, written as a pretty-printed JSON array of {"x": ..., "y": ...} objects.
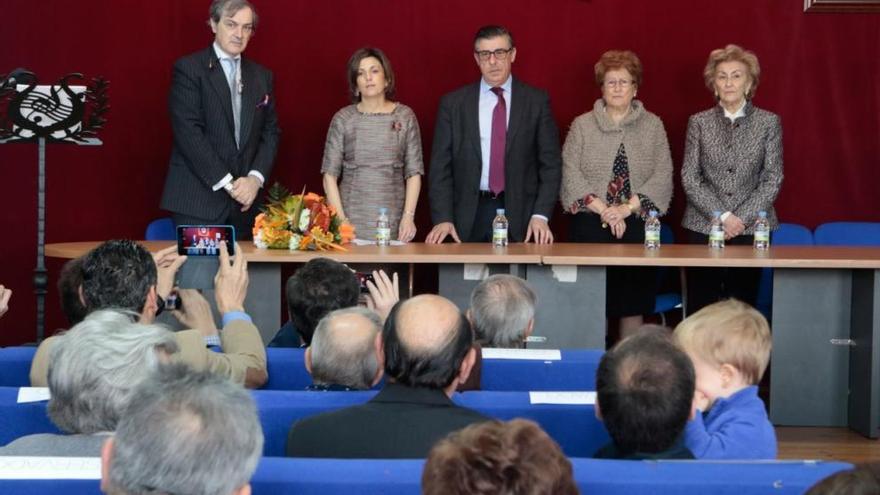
[{"x": 825, "y": 366}]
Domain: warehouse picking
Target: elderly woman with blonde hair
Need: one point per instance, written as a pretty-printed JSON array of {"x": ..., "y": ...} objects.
[
  {"x": 732, "y": 165},
  {"x": 616, "y": 170}
]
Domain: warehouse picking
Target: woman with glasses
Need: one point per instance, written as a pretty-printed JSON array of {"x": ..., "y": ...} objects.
[
  {"x": 616, "y": 169},
  {"x": 732, "y": 165},
  {"x": 374, "y": 145}
]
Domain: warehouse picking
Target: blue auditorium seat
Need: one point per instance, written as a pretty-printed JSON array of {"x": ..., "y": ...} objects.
[
  {"x": 848, "y": 234},
  {"x": 15, "y": 366},
  {"x": 161, "y": 229},
  {"x": 403, "y": 477}
]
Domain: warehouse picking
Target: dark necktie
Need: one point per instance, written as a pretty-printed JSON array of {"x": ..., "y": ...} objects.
[{"x": 499, "y": 140}]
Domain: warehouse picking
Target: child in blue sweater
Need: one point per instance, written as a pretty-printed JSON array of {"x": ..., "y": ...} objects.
[{"x": 729, "y": 344}]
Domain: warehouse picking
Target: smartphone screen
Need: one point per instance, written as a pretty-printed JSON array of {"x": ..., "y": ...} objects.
[{"x": 204, "y": 240}]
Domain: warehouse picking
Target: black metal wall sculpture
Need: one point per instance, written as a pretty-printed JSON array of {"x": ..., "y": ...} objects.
[{"x": 60, "y": 113}]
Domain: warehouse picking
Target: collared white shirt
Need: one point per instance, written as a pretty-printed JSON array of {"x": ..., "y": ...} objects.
[
  {"x": 226, "y": 181},
  {"x": 741, "y": 112},
  {"x": 488, "y": 100}
]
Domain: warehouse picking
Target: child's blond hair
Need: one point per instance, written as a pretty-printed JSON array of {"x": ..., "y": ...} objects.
[{"x": 728, "y": 332}]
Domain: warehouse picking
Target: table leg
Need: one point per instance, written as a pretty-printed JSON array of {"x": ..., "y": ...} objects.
[{"x": 864, "y": 365}]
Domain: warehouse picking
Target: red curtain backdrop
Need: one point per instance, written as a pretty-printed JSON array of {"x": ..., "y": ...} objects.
[{"x": 820, "y": 73}]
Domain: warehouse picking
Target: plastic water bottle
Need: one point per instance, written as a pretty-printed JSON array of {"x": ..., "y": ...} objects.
[
  {"x": 499, "y": 229},
  {"x": 762, "y": 232},
  {"x": 383, "y": 228},
  {"x": 652, "y": 231},
  {"x": 716, "y": 232}
]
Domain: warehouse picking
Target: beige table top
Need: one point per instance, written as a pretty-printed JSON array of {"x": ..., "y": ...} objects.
[{"x": 556, "y": 254}]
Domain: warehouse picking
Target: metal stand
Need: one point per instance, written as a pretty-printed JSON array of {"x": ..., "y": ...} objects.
[{"x": 41, "y": 277}]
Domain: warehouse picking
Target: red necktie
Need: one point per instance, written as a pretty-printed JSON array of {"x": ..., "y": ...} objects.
[{"x": 499, "y": 140}]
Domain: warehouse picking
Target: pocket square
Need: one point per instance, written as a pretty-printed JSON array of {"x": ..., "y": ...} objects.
[{"x": 264, "y": 102}]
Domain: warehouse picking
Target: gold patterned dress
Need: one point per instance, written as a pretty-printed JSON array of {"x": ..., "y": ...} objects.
[{"x": 374, "y": 153}]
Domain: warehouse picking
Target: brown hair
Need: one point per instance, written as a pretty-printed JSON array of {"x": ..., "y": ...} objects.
[
  {"x": 512, "y": 458},
  {"x": 619, "y": 59},
  {"x": 733, "y": 53},
  {"x": 728, "y": 332},
  {"x": 354, "y": 64}
]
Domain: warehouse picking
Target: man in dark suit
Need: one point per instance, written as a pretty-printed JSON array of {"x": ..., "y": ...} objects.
[
  {"x": 496, "y": 145},
  {"x": 224, "y": 124},
  {"x": 427, "y": 349}
]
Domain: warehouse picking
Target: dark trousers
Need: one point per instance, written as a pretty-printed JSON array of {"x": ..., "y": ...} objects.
[
  {"x": 709, "y": 285},
  {"x": 242, "y": 221},
  {"x": 629, "y": 290},
  {"x": 482, "y": 229}
]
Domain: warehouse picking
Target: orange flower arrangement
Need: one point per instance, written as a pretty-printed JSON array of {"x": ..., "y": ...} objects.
[{"x": 300, "y": 222}]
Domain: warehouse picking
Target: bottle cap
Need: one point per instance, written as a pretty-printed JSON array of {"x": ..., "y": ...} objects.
[
  {"x": 652, "y": 213},
  {"x": 383, "y": 210},
  {"x": 762, "y": 214},
  {"x": 716, "y": 213},
  {"x": 499, "y": 211}
]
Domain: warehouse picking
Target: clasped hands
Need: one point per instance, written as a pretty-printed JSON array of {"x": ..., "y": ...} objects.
[
  {"x": 244, "y": 191},
  {"x": 733, "y": 226},
  {"x": 613, "y": 216}
]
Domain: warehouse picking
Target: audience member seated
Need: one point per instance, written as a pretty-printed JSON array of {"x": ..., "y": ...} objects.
[
  {"x": 122, "y": 274},
  {"x": 345, "y": 351},
  {"x": 729, "y": 343},
  {"x": 5, "y": 295},
  {"x": 644, "y": 396},
  {"x": 93, "y": 372},
  {"x": 863, "y": 480},
  {"x": 69, "y": 282},
  {"x": 503, "y": 311},
  {"x": 184, "y": 432},
  {"x": 427, "y": 348},
  {"x": 513, "y": 458},
  {"x": 317, "y": 288}
]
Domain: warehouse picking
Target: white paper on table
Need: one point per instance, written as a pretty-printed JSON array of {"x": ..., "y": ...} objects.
[
  {"x": 574, "y": 398},
  {"x": 534, "y": 354},
  {"x": 50, "y": 468},
  {"x": 565, "y": 273},
  {"x": 33, "y": 394},
  {"x": 476, "y": 271},
  {"x": 369, "y": 242}
]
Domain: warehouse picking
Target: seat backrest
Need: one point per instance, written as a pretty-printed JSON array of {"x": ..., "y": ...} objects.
[
  {"x": 792, "y": 234},
  {"x": 161, "y": 229},
  {"x": 15, "y": 366},
  {"x": 848, "y": 234}
]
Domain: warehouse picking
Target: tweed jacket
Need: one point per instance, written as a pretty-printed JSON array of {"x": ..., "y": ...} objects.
[
  {"x": 592, "y": 143},
  {"x": 731, "y": 166}
]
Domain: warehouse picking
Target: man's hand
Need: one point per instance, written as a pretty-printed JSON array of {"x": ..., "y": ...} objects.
[
  {"x": 5, "y": 294},
  {"x": 406, "y": 231},
  {"x": 539, "y": 228},
  {"x": 231, "y": 281},
  {"x": 195, "y": 312},
  {"x": 440, "y": 231},
  {"x": 244, "y": 190},
  {"x": 384, "y": 293},
  {"x": 167, "y": 264},
  {"x": 733, "y": 226}
]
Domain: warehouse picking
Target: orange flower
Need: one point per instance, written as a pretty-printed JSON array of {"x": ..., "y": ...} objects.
[
  {"x": 311, "y": 198},
  {"x": 346, "y": 232}
]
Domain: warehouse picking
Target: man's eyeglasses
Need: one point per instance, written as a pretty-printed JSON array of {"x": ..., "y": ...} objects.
[
  {"x": 621, "y": 83},
  {"x": 500, "y": 54}
]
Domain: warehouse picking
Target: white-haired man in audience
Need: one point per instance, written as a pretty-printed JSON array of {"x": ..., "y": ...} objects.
[
  {"x": 345, "y": 351},
  {"x": 503, "y": 311},
  {"x": 93, "y": 372},
  {"x": 184, "y": 432},
  {"x": 5, "y": 295},
  {"x": 123, "y": 274}
]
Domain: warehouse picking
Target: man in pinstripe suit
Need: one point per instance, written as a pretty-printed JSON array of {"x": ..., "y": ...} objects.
[{"x": 224, "y": 124}]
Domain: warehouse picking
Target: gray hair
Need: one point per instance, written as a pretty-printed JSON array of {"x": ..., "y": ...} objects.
[
  {"x": 96, "y": 365},
  {"x": 186, "y": 432},
  {"x": 501, "y": 308},
  {"x": 343, "y": 359},
  {"x": 219, "y": 8}
]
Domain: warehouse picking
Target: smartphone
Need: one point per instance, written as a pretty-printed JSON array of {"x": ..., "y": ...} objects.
[
  {"x": 172, "y": 302},
  {"x": 204, "y": 240},
  {"x": 363, "y": 278}
]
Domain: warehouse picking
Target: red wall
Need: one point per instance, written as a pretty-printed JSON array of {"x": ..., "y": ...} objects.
[{"x": 820, "y": 73}]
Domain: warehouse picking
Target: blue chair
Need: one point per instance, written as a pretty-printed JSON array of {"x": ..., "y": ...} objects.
[
  {"x": 161, "y": 229},
  {"x": 666, "y": 301},
  {"x": 788, "y": 234},
  {"x": 848, "y": 234}
]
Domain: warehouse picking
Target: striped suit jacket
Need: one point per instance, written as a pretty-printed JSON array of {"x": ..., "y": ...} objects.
[{"x": 204, "y": 149}]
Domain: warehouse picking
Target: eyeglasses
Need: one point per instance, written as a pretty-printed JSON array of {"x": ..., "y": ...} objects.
[
  {"x": 723, "y": 77},
  {"x": 621, "y": 83},
  {"x": 500, "y": 54}
]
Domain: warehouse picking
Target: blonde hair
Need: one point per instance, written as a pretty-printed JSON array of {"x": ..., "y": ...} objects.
[
  {"x": 728, "y": 332},
  {"x": 733, "y": 53}
]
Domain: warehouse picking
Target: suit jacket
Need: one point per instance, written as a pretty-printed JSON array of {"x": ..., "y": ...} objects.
[
  {"x": 204, "y": 149},
  {"x": 532, "y": 158},
  {"x": 734, "y": 167},
  {"x": 242, "y": 349},
  {"x": 400, "y": 422}
]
